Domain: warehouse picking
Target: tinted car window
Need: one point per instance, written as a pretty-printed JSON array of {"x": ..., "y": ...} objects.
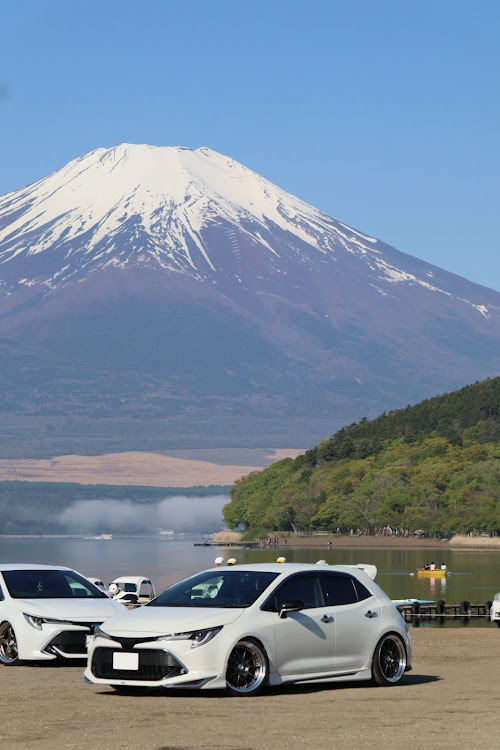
[
  {"x": 49, "y": 584},
  {"x": 361, "y": 590},
  {"x": 230, "y": 588},
  {"x": 339, "y": 588},
  {"x": 305, "y": 588}
]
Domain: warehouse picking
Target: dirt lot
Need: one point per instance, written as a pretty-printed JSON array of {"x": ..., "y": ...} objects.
[{"x": 450, "y": 699}]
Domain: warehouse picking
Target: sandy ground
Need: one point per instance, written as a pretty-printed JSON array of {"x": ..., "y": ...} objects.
[
  {"x": 137, "y": 468},
  {"x": 450, "y": 699}
]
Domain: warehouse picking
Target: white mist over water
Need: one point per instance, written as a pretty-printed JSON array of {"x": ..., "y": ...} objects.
[{"x": 179, "y": 513}]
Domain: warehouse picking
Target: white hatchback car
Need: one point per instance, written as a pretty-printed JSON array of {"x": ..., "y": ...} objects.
[
  {"x": 48, "y": 612},
  {"x": 247, "y": 626}
]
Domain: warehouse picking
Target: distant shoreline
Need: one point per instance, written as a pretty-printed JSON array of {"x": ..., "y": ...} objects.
[{"x": 340, "y": 541}]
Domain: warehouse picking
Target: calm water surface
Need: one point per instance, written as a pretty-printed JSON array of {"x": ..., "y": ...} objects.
[{"x": 474, "y": 575}]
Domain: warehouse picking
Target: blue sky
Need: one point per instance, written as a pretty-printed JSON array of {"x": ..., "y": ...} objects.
[{"x": 382, "y": 113}]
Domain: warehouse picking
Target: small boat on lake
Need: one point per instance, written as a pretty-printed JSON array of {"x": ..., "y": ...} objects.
[{"x": 425, "y": 573}]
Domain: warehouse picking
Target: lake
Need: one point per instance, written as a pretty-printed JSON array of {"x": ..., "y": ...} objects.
[{"x": 474, "y": 574}]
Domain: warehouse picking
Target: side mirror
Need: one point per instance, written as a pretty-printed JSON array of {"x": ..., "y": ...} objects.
[{"x": 291, "y": 605}]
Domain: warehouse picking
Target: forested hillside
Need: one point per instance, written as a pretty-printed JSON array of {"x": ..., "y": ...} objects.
[{"x": 434, "y": 466}]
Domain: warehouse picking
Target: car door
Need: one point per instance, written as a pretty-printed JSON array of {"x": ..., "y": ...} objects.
[
  {"x": 305, "y": 640},
  {"x": 357, "y": 619}
]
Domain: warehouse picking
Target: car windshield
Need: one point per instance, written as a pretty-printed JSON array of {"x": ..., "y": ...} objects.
[
  {"x": 222, "y": 588},
  {"x": 50, "y": 584}
]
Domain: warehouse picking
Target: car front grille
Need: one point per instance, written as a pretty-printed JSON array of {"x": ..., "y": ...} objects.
[
  {"x": 69, "y": 642},
  {"x": 154, "y": 665}
]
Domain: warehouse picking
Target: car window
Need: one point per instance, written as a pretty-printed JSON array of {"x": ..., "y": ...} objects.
[
  {"x": 230, "y": 588},
  {"x": 303, "y": 587},
  {"x": 49, "y": 584},
  {"x": 341, "y": 588},
  {"x": 361, "y": 590}
]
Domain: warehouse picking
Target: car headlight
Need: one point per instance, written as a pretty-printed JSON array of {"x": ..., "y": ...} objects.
[
  {"x": 99, "y": 632},
  {"x": 197, "y": 637},
  {"x": 36, "y": 621}
]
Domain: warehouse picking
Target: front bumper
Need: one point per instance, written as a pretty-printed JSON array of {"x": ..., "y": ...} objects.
[
  {"x": 153, "y": 664},
  {"x": 62, "y": 641}
]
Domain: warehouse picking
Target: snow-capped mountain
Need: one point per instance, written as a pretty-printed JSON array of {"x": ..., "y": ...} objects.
[{"x": 195, "y": 285}]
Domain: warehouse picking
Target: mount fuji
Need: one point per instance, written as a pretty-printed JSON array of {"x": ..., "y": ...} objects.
[{"x": 162, "y": 283}]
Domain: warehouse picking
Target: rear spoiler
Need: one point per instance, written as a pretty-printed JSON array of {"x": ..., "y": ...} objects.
[{"x": 370, "y": 570}]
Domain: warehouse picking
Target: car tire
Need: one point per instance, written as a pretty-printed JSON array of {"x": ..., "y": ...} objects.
[
  {"x": 389, "y": 660},
  {"x": 247, "y": 668},
  {"x": 8, "y": 645}
]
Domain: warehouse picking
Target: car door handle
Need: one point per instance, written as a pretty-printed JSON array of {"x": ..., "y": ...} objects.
[
  {"x": 326, "y": 618},
  {"x": 371, "y": 614}
]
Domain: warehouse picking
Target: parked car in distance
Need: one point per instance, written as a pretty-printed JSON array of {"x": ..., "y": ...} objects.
[
  {"x": 100, "y": 584},
  {"x": 48, "y": 612},
  {"x": 495, "y": 610},
  {"x": 248, "y": 626},
  {"x": 132, "y": 589}
]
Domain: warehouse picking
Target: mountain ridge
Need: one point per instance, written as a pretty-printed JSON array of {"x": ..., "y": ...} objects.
[{"x": 164, "y": 280}]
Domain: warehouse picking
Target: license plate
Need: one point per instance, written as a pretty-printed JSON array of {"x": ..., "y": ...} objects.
[{"x": 125, "y": 661}]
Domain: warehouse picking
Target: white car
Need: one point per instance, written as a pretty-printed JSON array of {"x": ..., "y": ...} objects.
[
  {"x": 248, "y": 626},
  {"x": 495, "y": 610},
  {"x": 132, "y": 589},
  {"x": 48, "y": 612},
  {"x": 100, "y": 584}
]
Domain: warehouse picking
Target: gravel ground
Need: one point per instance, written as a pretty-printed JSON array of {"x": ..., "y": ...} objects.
[{"x": 450, "y": 698}]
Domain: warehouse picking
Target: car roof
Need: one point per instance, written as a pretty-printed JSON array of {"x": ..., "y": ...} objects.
[
  {"x": 131, "y": 579},
  {"x": 275, "y": 567},
  {"x": 31, "y": 566}
]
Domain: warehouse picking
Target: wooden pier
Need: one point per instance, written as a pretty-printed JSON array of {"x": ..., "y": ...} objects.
[
  {"x": 244, "y": 545},
  {"x": 441, "y": 611}
]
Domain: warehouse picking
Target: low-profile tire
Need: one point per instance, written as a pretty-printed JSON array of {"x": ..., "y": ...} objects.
[
  {"x": 389, "y": 660},
  {"x": 247, "y": 668},
  {"x": 8, "y": 645}
]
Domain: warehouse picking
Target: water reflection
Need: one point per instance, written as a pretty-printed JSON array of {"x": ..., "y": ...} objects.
[{"x": 472, "y": 575}]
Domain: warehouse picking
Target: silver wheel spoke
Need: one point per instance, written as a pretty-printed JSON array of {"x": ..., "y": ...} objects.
[{"x": 246, "y": 669}]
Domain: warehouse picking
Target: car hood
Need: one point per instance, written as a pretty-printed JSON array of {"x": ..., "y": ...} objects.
[
  {"x": 165, "y": 620},
  {"x": 84, "y": 610}
]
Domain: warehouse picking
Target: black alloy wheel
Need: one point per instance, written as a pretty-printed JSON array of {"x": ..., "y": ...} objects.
[
  {"x": 247, "y": 669},
  {"x": 389, "y": 660}
]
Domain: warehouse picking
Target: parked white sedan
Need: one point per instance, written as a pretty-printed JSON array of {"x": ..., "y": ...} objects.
[
  {"x": 48, "y": 612},
  {"x": 248, "y": 626}
]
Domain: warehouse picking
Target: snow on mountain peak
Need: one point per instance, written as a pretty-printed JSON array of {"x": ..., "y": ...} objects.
[
  {"x": 171, "y": 193},
  {"x": 135, "y": 203}
]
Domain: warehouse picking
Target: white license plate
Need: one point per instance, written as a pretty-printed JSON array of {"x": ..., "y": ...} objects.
[{"x": 125, "y": 661}]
